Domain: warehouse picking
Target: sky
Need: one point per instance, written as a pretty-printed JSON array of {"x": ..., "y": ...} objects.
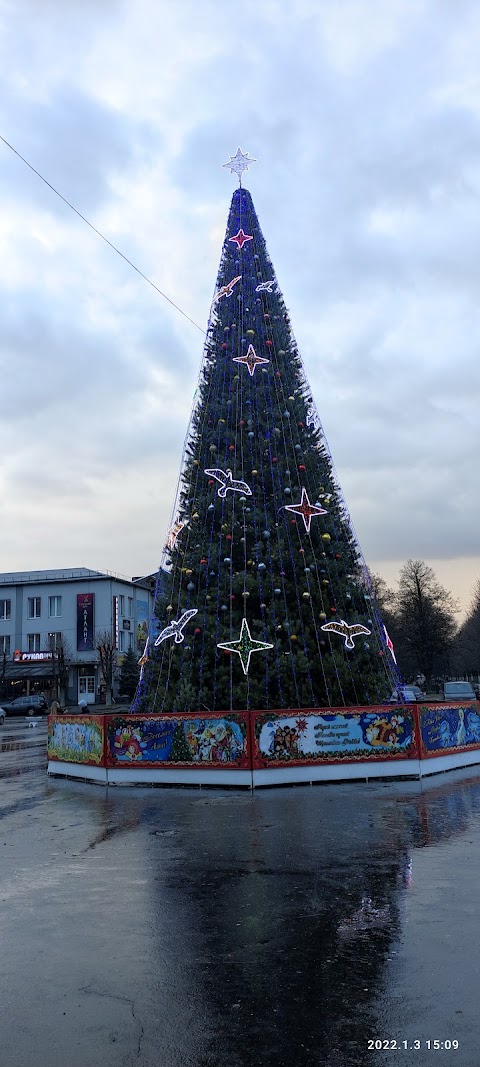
[{"x": 364, "y": 117}]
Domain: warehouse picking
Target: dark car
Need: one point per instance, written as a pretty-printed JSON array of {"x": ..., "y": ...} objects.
[{"x": 32, "y": 705}]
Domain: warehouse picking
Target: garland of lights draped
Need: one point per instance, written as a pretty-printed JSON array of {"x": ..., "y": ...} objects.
[{"x": 263, "y": 598}]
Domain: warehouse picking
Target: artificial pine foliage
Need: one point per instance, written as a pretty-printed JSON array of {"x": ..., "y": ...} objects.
[{"x": 260, "y": 530}]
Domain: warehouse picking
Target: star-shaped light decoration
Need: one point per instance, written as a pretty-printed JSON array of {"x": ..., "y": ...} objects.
[
  {"x": 245, "y": 646},
  {"x": 238, "y": 163},
  {"x": 389, "y": 644},
  {"x": 305, "y": 509},
  {"x": 227, "y": 290},
  {"x": 251, "y": 360},
  {"x": 346, "y": 631},
  {"x": 241, "y": 238},
  {"x": 174, "y": 532}
]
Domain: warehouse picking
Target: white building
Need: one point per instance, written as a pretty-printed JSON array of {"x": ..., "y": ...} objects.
[{"x": 44, "y": 611}]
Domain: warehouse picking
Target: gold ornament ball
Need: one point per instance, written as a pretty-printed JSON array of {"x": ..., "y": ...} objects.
[
  {"x": 325, "y": 537},
  {"x": 195, "y": 463},
  {"x": 322, "y": 616},
  {"x": 195, "y": 515},
  {"x": 294, "y": 637},
  {"x": 250, "y": 333},
  {"x": 169, "y": 607},
  {"x": 254, "y": 472},
  {"x": 306, "y": 596},
  {"x": 188, "y": 572}
]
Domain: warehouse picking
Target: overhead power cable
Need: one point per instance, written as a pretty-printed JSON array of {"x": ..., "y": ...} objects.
[{"x": 99, "y": 234}]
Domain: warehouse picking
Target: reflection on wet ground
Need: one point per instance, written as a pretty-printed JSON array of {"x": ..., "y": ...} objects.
[{"x": 188, "y": 928}]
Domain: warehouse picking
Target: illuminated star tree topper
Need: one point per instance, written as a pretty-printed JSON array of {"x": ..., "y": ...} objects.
[
  {"x": 238, "y": 163},
  {"x": 245, "y": 645}
]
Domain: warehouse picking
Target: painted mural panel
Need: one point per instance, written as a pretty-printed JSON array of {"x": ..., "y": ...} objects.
[
  {"x": 76, "y": 740},
  {"x": 447, "y": 728},
  {"x": 135, "y": 740},
  {"x": 303, "y": 738}
]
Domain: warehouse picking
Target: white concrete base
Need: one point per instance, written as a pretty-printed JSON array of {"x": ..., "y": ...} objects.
[
  {"x": 179, "y": 776},
  {"x": 77, "y": 770},
  {"x": 336, "y": 772},
  {"x": 437, "y": 764},
  {"x": 268, "y": 776}
]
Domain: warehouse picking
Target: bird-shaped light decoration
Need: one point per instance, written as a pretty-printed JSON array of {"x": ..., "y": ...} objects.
[
  {"x": 175, "y": 628},
  {"x": 227, "y": 290},
  {"x": 227, "y": 482},
  {"x": 347, "y": 632}
]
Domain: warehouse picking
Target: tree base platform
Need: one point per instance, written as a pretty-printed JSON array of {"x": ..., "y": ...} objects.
[{"x": 248, "y": 750}]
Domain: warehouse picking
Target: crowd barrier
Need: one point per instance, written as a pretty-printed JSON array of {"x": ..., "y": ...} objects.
[{"x": 261, "y": 748}]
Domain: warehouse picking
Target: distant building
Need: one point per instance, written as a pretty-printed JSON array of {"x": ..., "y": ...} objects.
[{"x": 44, "y": 612}]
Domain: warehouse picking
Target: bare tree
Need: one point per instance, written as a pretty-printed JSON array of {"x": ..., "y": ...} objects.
[
  {"x": 467, "y": 644},
  {"x": 424, "y": 613},
  {"x": 107, "y": 656},
  {"x": 63, "y": 657}
]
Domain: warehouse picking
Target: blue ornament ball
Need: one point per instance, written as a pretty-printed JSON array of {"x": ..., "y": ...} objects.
[{"x": 190, "y": 587}]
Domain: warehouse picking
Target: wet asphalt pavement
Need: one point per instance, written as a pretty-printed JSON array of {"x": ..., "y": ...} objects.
[{"x": 208, "y": 928}]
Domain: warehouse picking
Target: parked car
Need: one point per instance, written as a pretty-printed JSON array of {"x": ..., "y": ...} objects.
[
  {"x": 406, "y": 693},
  {"x": 458, "y": 691},
  {"x": 32, "y": 705},
  {"x": 2, "y": 716}
]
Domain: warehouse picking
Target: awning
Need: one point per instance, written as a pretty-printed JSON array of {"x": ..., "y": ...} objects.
[{"x": 16, "y": 672}]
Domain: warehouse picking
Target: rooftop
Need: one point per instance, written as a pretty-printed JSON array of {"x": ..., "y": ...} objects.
[{"x": 71, "y": 574}]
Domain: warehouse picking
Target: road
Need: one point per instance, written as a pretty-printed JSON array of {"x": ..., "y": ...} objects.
[{"x": 204, "y": 928}]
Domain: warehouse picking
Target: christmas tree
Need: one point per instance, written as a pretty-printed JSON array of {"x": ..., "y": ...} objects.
[{"x": 265, "y": 600}]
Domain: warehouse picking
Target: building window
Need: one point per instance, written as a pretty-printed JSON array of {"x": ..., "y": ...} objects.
[
  {"x": 5, "y": 609},
  {"x": 33, "y": 641},
  {"x": 55, "y": 641},
  {"x": 121, "y": 604},
  {"x": 130, "y": 607},
  {"x": 5, "y": 645},
  {"x": 34, "y": 607},
  {"x": 130, "y": 640},
  {"x": 54, "y": 606},
  {"x": 121, "y": 641}
]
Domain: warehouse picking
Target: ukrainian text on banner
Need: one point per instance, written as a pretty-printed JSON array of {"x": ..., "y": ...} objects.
[
  {"x": 76, "y": 739},
  {"x": 306, "y": 737},
  {"x": 216, "y": 741},
  {"x": 448, "y": 728}
]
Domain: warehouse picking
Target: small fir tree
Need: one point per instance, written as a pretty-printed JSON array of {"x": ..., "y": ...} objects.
[
  {"x": 129, "y": 674},
  {"x": 267, "y": 602}
]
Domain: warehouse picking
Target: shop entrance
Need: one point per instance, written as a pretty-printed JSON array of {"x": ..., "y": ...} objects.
[{"x": 86, "y": 688}]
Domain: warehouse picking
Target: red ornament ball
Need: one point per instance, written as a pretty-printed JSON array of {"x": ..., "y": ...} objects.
[
  {"x": 211, "y": 481},
  {"x": 333, "y": 610},
  {"x": 293, "y": 522},
  {"x": 274, "y": 459},
  {"x": 228, "y": 537},
  {"x": 224, "y": 345},
  {"x": 203, "y": 561},
  {"x": 269, "y": 342},
  {"x": 231, "y": 448},
  {"x": 197, "y": 630},
  {"x": 301, "y": 467},
  {"x": 300, "y": 424},
  {"x": 278, "y": 374}
]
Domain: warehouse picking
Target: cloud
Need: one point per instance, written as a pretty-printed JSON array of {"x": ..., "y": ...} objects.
[{"x": 364, "y": 119}]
